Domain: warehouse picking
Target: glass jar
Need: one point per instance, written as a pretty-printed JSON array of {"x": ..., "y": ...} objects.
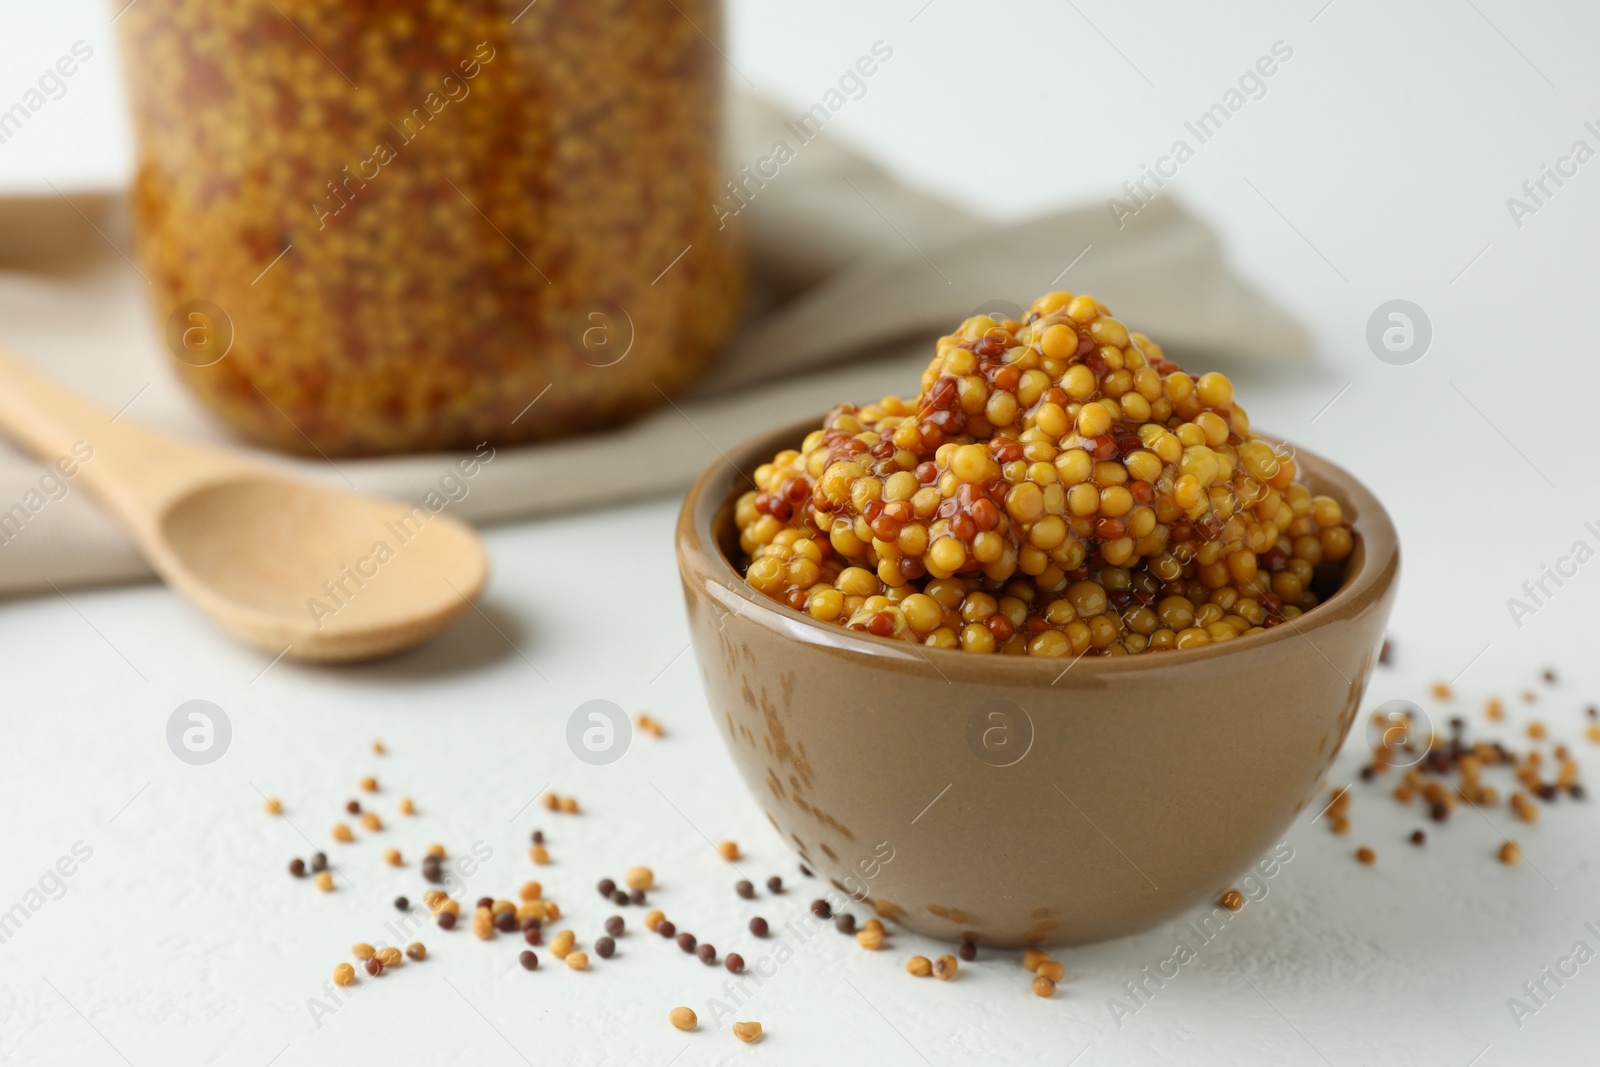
[{"x": 423, "y": 224}]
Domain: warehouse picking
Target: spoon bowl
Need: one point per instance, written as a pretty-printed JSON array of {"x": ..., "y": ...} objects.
[{"x": 295, "y": 569}]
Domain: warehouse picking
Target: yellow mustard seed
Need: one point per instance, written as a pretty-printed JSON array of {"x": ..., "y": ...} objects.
[
  {"x": 325, "y": 881},
  {"x": 683, "y": 1018},
  {"x": 1051, "y": 970},
  {"x": 578, "y": 961},
  {"x": 389, "y": 956},
  {"x": 273, "y": 806},
  {"x": 342, "y": 832},
  {"x": 344, "y": 974},
  {"x": 728, "y": 850},
  {"x": 369, "y": 784},
  {"x": 392, "y": 857},
  {"x": 945, "y": 967},
  {"x": 531, "y": 891},
  {"x": 539, "y": 854},
  {"x": 362, "y": 951},
  {"x": 749, "y": 1033},
  {"x": 407, "y": 807},
  {"x": 919, "y": 966},
  {"x": 639, "y": 878},
  {"x": 1043, "y": 987}
]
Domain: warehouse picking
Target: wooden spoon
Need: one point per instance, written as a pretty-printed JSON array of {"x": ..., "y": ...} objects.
[{"x": 289, "y": 567}]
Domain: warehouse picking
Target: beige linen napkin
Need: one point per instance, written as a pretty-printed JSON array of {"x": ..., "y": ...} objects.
[{"x": 853, "y": 273}]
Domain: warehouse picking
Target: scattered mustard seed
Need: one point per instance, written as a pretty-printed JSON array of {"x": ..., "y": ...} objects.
[
  {"x": 729, "y": 850},
  {"x": 539, "y": 854},
  {"x": 391, "y": 856},
  {"x": 389, "y": 956},
  {"x": 437, "y": 851},
  {"x": 652, "y": 919},
  {"x": 944, "y": 968},
  {"x": 369, "y": 784},
  {"x": 273, "y": 806},
  {"x": 552, "y": 801},
  {"x": 325, "y": 881},
  {"x": 683, "y": 1018},
  {"x": 1510, "y": 853},
  {"x": 344, "y": 974},
  {"x": 561, "y": 944},
  {"x": 371, "y": 821},
  {"x": 417, "y": 951},
  {"x": 639, "y": 878},
  {"x": 407, "y": 807},
  {"x": 1032, "y": 958},
  {"x": 568, "y": 806},
  {"x": 578, "y": 961},
  {"x": 1233, "y": 900},
  {"x": 1051, "y": 970},
  {"x": 341, "y": 832},
  {"x": 919, "y": 966},
  {"x": 531, "y": 891},
  {"x": 362, "y": 951},
  {"x": 1366, "y": 855},
  {"x": 870, "y": 939},
  {"x": 749, "y": 1033},
  {"x": 1043, "y": 987}
]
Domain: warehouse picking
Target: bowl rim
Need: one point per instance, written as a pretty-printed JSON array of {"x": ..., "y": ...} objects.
[{"x": 1374, "y": 568}]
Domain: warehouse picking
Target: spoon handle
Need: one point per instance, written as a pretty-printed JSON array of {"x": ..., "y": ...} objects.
[{"x": 131, "y": 470}]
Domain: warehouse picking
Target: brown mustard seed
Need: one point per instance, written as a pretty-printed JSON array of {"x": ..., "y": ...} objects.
[
  {"x": 639, "y": 878},
  {"x": 362, "y": 951},
  {"x": 389, "y": 956},
  {"x": 707, "y": 954},
  {"x": 1043, "y": 987},
  {"x": 749, "y": 1033},
  {"x": 319, "y": 861},
  {"x": 446, "y": 920},
  {"x": 417, "y": 951},
  {"x": 1233, "y": 900},
  {"x": 578, "y": 961},
  {"x": 374, "y": 967},
  {"x": 539, "y": 854},
  {"x": 728, "y": 850},
  {"x": 1366, "y": 855},
  {"x": 944, "y": 968},
  {"x": 683, "y": 1018},
  {"x": 615, "y": 926},
  {"x": 1418, "y": 837},
  {"x": 869, "y": 938},
  {"x": 344, "y": 974},
  {"x": 774, "y": 884},
  {"x": 369, "y": 784},
  {"x": 273, "y": 806},
  {"x": 391, "y": 856},
  {"x": 1051, "y": 969},
  {"x": 820, "y": 909},
  {"x": 341, "y": 832},
  {"x": 652, "y": 919},
  {"x": 533, "y": 935},
  {"x": 606, "y": 887},
  {"x": 686, "y": 941},
  {"x": 486, "y": 902},
  {"x": 744, "y": 889},
  {"x": 968, "y": 951},
  {"x": 637, "y": 897},
  {"x": 758, "y": 926},
  {"x": 605, "y": 947},
  {"x": 297, "y": 867},
  {"x": 666, "y": 929},
  {"x": 845, "y": 923},
  {"x": 734, "y": 963},
  {"x": 325, "y": 881},
  {"x": 620, "y": 898},
  {"x": 353, "y": 807},
  {"x": 506, "y": 922},
  {"x": 529, "y": 960},
  {"x": 1510, "y": 853}
]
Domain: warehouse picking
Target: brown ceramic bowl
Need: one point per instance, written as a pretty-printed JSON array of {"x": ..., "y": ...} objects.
[{"x": 1012, "y": 800}]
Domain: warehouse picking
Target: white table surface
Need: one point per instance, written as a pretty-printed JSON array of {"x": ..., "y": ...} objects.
[{"x": 1376, "y": 166}]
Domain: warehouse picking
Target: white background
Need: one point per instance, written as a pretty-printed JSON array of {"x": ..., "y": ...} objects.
[{"x": 1376, "y": 166}]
